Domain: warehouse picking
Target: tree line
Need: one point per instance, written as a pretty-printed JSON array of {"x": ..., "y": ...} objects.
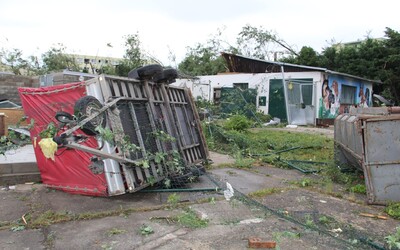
[{"x": 375, "y": 59}]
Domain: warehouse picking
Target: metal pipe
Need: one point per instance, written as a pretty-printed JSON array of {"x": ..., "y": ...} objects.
[
  {"x": 100, "y": 153},
  {"x": 300, "y": 169},
  {"x": 289, "y": 119},
  {"x": 276, "y": 152}
]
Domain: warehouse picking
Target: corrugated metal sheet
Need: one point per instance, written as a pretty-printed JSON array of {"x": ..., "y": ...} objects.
[{"x": 369, "y": 139}]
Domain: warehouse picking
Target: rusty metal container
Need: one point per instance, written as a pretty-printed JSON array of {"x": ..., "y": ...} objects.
[{"x": 369, "y": 139}]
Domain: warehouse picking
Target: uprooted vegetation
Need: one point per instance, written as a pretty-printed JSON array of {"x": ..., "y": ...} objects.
[{"x": 308, "y": 153}]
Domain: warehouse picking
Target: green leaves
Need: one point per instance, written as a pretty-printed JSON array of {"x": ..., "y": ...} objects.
[
  {"x": 18, "y": 228},
  {"x": 146, "y": 230},
  {"x": 393, "y": 210},
  {"x": 49, "y": 132},
  {"x": 238, "y": 123},
  {"x": 159, "y": 157},
  {"x": 144, "y": 164},
  {"x": 56, "y": 59},
  {"x": 393, "y": 240}
]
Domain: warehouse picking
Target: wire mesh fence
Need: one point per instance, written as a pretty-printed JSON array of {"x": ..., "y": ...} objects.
[{"x": 271, "y": 217}]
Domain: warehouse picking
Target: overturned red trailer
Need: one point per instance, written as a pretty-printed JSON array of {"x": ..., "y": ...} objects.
[{"x": 156, "y": 133}]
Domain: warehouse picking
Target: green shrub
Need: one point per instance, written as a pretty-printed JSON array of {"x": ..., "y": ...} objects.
[
  {"x": 393, "y": 240},
  {"x": 238, "y": 123},
  {"x": 359, "y": 189},
  {"x": 393, "y": 210},
  {"x": 263, "y": 118}
]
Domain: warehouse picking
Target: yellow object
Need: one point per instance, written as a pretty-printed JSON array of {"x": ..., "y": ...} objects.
[
  {"x": 290, "y": 86},
  {"x": 48, "y": 147}
]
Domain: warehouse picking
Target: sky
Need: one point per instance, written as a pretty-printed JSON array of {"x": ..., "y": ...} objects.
[{"x": 168, "y": 28}]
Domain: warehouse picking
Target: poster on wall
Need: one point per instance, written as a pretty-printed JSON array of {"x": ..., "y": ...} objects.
[{"x": 338, "y": 94}]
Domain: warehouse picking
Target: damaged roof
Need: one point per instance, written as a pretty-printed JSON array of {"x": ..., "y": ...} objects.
[{"x": 243, "y": 64}]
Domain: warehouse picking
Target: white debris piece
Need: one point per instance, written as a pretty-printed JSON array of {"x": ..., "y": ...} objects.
[
  {"x": 336, "y": 230},
  {"x": 228, "y": 193},
  {"x": 274, "y": 121},
  {"x": 251, "y": 221}
]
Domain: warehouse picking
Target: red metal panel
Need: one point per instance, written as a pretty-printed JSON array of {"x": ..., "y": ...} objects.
[{"x": 69, "y": 172}]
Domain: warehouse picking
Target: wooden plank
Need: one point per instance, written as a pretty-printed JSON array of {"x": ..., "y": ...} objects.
[
  {"x": 105, "y": 87},
  {"x": 137, "y": 91},
  {"x": 131, "y": 90},
  {"x": 129, "y": 177},
  {"x": 115, "y": 88},
  {"x": 124, "y": 89}
]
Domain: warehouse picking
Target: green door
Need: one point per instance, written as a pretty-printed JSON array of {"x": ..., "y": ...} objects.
[{"x": 277, "y": 106}]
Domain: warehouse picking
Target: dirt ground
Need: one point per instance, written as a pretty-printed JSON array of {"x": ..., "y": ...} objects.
[{"x": 292, "y": 212}]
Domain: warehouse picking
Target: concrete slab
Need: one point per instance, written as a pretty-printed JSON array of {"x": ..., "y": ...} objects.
[
  {"x": 97, "y": 234},
  {"x": 26, "y": 239},
  {"x": 22, "y": 154},
  {"x": 303, "y": 202},
  {"x": 247, "y": 182},
  {"x": 19, "y": 166},
  {"x": 13, "y": 205},
  {"x": 12, "y": 179},
  {"x": 221, "y": 159},
  {"x": 231, "y": 223}
]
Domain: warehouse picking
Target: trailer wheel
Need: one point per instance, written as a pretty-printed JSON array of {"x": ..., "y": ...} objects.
[
  {"x": 85, "y": 107},
  {"x": 145, "y": 72},
  {"x": 64, "y": 117},
  {"x": 168, "y": 76}
]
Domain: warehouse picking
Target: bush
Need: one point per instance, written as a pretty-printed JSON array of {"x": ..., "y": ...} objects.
[
  {"x": 393, "y": 209},
  {"x": 261, "y": 117},
  {"x": 238, "y": 123}
]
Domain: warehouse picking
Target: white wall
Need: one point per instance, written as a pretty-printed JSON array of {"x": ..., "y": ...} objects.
[{"x": 204, "y": 85}]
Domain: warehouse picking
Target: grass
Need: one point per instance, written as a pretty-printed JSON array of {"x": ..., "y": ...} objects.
[
  {"x": 191, "y": 220},
  {"x": 50, "y": 217},
  {"x": 267, "y": 146},
  {"x": 264, "y": 142},
  {"x": 303, "y": 182},
  {"x": 173, "y": 200},
  {"x": 264, "y": 192},
  {"x": 358, "y": 188},
  {"x": 115, "y": 231}
]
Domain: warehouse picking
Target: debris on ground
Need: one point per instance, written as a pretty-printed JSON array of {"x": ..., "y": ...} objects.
[{"x": 258, "y": 243}]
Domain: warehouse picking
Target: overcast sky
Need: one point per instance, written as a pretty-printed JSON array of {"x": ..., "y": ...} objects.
[{"x": 87, "y": 26}]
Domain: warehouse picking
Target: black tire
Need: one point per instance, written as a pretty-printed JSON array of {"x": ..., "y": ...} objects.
[
  {"x": 145, "y": 72},
  {"x": 134, "y": 74},
  {"x": 168, "y": 76},
  {"x": 64, "y": 117},
  {"x": 85, "y": 107}
]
